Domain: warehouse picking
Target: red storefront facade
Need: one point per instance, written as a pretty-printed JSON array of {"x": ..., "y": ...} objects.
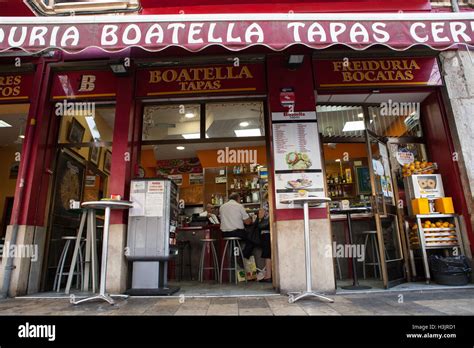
[{"x": 237, "y": 61}]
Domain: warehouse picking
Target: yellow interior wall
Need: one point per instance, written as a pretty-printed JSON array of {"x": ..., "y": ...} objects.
[
  {"x": 105, "y": 131},
  {"x": 7, "y": 185}
]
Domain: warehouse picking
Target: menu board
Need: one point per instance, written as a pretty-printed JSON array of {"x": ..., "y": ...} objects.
[
  {"x": 296, "y": 146},
  {"x": 291, "y": 185},
  {"x": 297, "y": 155}
]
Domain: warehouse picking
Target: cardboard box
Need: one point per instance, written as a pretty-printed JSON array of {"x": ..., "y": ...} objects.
[
  {"x": 444, "y": 205},
  {"x": 420, "y": 206}
]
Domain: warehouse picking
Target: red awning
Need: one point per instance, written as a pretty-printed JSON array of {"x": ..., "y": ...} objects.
[{"x": 398, "y": 31}]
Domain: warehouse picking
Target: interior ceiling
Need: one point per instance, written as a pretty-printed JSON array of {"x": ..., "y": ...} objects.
[
  {"x": 167, "y": 122},
  {"x": 372, "y": 97},
  {"x": 166, "y": 152},
  {"x": 15, "y": 115}
]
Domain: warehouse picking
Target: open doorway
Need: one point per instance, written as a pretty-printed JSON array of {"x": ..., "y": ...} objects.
[
  {"x": 375, "y": 144},
  {"x": 210, "y": 150},
  {"x": 12, "y": 133}
]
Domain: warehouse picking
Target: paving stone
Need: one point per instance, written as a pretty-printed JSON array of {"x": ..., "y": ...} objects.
[
  {"x": 182, "y": 311},
  {"x": 255, "y": 311},
  {"x": 223, "y": 309},
  {"x": 224, "y": 300},
  {"x": 289, "y": 310},
  {"x": 253, "y": 303}
]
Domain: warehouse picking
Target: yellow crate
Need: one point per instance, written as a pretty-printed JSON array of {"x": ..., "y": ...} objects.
[
  {"x": 420, "y": 206},
  {"x": 444, "y": 205}
]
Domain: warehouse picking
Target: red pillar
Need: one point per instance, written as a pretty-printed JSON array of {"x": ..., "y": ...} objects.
[
  {"x": 122, "y": 164},
  {"x": 37, "y": 153}
]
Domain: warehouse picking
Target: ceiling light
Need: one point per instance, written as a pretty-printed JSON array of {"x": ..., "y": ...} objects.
[
  {"x": 189, "y": 115},
  {"x": 3, "y": 124},
  {"x": 352, "y": 126},
  {"x": 361, "y": 115},
  {"x": 192, "y": 136},
  {"x": 244, "y": 124},
  {"x": 21, "y": 136},
  {"x": 180, "y": 148},
  {"x": 338, "y": 160},
  {"x": 253, "y": 132}
]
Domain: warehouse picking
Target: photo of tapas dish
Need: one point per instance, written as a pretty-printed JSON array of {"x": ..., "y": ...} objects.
[
  {"x": 299, "y": 183},
  {"x": 298, "y": 160}
]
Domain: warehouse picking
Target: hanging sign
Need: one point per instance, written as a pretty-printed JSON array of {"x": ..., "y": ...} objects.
[{"x": 15, "y": 87}]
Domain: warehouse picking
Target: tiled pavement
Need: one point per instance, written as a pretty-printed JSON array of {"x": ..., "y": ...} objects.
[{"x": 446, "y": 302}]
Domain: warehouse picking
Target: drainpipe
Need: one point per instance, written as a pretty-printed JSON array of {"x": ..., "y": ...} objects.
[
  {"x": 9, "y": 267},
  {"x": 455, "y": 5}
]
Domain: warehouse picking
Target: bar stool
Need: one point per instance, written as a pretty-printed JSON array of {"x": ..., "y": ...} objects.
[
  {"x": 338, "y": 263},
  {"x": 183, "y": 246},
  {"x": 231, "y": 243},
  {"x": 62, "y": 260},
  {"x": 208, "y": 243},
  {"x": 371, "y": 237}
]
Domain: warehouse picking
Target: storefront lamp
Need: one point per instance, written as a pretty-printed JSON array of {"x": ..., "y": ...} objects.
[
  {"x": 295, "y": 61},
  {"x": 244, "y": 124},
  {"x": 180, "y": 148},
  {"x": 119, "y": 69}
]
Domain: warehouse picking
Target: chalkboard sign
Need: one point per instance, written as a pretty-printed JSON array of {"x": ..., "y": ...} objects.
[{"x": 363, "y": 180}]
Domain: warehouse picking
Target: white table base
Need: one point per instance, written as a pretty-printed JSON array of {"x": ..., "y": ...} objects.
[
  {"x": 105, "y": 242},
  {"x": 295, "y": 296}
]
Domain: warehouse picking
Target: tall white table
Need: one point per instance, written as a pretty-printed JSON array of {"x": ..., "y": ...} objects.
[
  {"x": 306, "y": 202},
  {"x": 107, "y": 206}
]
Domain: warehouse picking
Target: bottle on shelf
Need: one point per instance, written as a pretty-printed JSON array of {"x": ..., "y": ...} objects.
[
  {"x": 336, "y": 179},
  {"x": 213, "y": 200},
  {"x": 344, "y": 181}
]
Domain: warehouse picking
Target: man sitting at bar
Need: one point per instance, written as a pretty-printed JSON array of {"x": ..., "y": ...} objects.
[
  {"x": 233, "y": 217},
  {"x": 209, "y": 213}
]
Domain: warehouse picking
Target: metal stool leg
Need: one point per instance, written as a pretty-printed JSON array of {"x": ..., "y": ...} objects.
[
  {"x": 339, "y": 268},
  {"x": 235, "y": 262},
  {"x": 201, "y": 262},
  {"x": 59, "y": 267},
  {"x": 61, "y": 272},
  {"x": 222, "y": 260},
  {"x": 366, "y": 239},
  {"x": 377, "y": 256},
  {"x": 215, "y": 261}
]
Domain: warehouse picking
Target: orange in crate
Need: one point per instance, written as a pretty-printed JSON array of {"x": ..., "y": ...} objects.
[{"x": 444, "y": 205}]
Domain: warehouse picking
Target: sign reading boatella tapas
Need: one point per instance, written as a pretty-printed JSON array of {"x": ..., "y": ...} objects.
[
  {"x": 277, "y": 31},
  {"x": 376, "y": 72},
  {"x": 201, "y": 79}
]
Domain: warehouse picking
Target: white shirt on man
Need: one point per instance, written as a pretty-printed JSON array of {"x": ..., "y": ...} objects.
[{"x": 232, "y": 216}]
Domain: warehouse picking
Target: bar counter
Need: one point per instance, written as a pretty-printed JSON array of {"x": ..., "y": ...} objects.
[{"x": 194, "y": 234}]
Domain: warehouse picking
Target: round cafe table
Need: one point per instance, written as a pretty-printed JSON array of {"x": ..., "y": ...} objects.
[
  {"x": 306, "y": 202},
  {"x": 106, "y": 205}
]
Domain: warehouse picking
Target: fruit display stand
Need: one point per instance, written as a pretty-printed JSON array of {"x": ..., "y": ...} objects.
[{"x": 444, "y": 235}]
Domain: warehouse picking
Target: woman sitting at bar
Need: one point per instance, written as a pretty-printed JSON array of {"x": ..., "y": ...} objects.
[{"x": 264, "y": 228}]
